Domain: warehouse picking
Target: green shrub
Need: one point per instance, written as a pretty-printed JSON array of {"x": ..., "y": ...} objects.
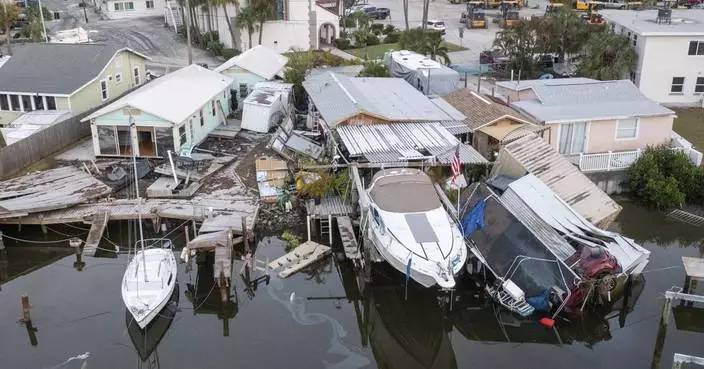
[
  {"x": 292, "y": 241},
  {"x": 344, "y": 34},
  {"x": 392, "y": 37},
  {"x": 229, "y": 53},
  {"x": 376, "y": 28},
  {"x": 372, "y": 40},
  {"x": 342, "y": 43},
  {"x": 215, "y": 47},
  {"x": 348, "y": 22},
  {"x": 389, "y": 29}
]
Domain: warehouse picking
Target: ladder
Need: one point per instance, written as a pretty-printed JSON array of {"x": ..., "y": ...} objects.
[{"x": 324, "y": 228}]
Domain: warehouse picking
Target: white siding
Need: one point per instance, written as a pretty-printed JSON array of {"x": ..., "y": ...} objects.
[{"x": 140, "y": 9}]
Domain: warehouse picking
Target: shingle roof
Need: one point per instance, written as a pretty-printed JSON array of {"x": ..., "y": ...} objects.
[
  {"x": 259, "y": 60},
  {"x": 591, "y": 100},
  {"x": 339, "y": 97},
  {"x": 173, "y": 97},
  {"x": 59, "y": 69},
  {"x": 480, "y": 110}
]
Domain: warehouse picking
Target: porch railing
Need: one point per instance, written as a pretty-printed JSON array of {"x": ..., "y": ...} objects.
[{"x": 620, "y": 160}]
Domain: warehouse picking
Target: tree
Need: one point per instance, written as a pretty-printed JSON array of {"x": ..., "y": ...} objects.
[
  {"x": 405, "y": 13},
  {"x": 374, "y": 68},
  {"x": 297, "y": 68},
  {"x": 224, "y": 4},
  {"x": 520, "y": 45},
  {"x": 563, "y": 33},
  {"x": 607, "y": 56},
  {"x": 434, "y": 46},
  {"x": 264, "y": 11},
  {"x": 8, "y": 15},
  {"x": 247, "y": 19}
]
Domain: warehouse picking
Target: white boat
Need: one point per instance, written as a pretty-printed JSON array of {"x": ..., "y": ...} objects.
[
  {"x": 149, "y": 280},
  {"x": 408, "y": 225}
]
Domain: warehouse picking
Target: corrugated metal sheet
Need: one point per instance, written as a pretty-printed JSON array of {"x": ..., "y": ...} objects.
[
  {"x": 563, "y": 178},
  {"x": 468, "y": 155}
]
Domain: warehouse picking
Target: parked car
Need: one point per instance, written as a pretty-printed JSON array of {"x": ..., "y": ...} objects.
[
  {"x": 436, "y": 25},
  {"x": 383, "y": 13},
  {"x": 372, "y": 11}
]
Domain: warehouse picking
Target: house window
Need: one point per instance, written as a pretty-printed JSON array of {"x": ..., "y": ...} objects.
[
  {"x": 129, "y": 5},
  {"x": 118, "y": 78},
  {"x": 136, "y": 75},
  {"x": 15, "y": 102},
  {"x": 26, "y": 102},
  {"x": 182, "y": 134},
  {"x": 38, "y": 102},
  {"x": 119, "y": 6},
  {"x": 699, "y": 87},
  {"x": 696, "y": 48},
  {"x": 202, "y": 120},
  {"x": 107, "y": 140},
  {"x": 573, "y": 138},
  {"x": 632, "y": 77},
  {"x": 50, "y": 103},
  {"x": 4, "y": 104},
  {"x": 150, "y": 4},
  {"x": 677, "y": 85},
  {"x": 243, "y": 90},
  {"x": 104, "y": 89},
  {"x": 626, "y": 129},
  {"x": 212, "y": 107},
  {"x": 635, "y": 40}
]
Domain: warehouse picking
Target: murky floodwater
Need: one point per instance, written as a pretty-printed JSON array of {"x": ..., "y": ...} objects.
[{"x": 318, "y": 319}]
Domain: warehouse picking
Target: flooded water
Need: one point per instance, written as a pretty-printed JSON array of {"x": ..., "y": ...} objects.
[{"x": 318, "y": 319}]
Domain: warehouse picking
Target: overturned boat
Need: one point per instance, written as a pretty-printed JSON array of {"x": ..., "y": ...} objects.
[
  {"x": 408, "y": 225},
  {"x": 542, "y": 254}
]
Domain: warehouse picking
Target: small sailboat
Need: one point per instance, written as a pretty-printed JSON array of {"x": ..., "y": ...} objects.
[{"x": 409, "y": 227}]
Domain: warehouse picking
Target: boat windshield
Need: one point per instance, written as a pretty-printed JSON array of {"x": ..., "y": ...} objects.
[{"x": 403, "y": 191}]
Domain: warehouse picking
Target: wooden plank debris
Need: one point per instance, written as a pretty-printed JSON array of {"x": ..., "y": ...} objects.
[
  {"x": 679, "y": 359},
  {"x": 48, "y": 190},
  {"x": 687, "y": 217},
  {"x": 349, "y": 241},
  {"x": 302, "y": 256},
  {"x": 215, "y": 164},
  {"x": 694, "y": 267},
  {"x": 100, "y": 221},
  {"x": 333, "y": 205}
]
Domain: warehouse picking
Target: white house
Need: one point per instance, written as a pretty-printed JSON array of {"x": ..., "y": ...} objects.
[
  {"x": 171, "y": 113},
  {"x": 119, "y": 9},
  {"x": 257, "y": 64},
  {"x": 670, "y": 49},
  {"x": 299, "y": 25}
]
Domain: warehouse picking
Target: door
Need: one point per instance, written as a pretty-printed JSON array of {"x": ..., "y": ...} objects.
[{"x": 573, "y": 138}]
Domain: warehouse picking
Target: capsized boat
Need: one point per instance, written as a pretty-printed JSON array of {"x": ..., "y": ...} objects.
[
  {"x": 149, "y": 280},
  {"x": 408, "y": 225}
]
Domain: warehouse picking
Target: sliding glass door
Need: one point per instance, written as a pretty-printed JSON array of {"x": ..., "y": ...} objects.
[{"x": 573, "y": 138}]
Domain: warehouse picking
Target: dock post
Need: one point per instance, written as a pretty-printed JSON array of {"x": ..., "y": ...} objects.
[
  {"x": 155, "y": 223},
  {"x": 42, "y": 225},
  {"x": 75, "y": 243},
  {"x": 245, "y": 234},
  {"x": 329, "y": 229},
  {"x": 2, "y": 243},
  {"x": 25, "y": 309},
  {"x": 195, "y": 228},
  {"x": 307, "y": 227}
]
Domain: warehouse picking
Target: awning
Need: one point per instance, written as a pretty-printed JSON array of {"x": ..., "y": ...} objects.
[{"x": 500, "y": 131}]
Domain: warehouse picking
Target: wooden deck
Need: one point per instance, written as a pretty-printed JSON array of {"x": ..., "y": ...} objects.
[
  {"x": 334, "y": 206},
  {"x": 217, "y": 163},
  {"x": 100, "y": 221},
  {"x": 48, "y": 190},
  {"x": 302, "y": 256},
  {"x": 230, "y": 130},
  {"x": 349, "y": 241}
]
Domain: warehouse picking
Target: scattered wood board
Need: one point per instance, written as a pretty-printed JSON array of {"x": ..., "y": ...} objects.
[{"x": 302, "y": 256}]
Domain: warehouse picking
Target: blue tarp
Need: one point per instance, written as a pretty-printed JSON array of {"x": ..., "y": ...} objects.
[
  {"x": 474, "y": 219},
  {"x": 540, "y": 302}
]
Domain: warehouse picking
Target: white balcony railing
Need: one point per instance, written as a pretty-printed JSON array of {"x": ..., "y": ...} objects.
[{"x": 620, "y": 160}]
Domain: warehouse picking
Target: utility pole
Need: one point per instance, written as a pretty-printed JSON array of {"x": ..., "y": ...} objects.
[
  {"x": 41, "y": 15},
  {"x": 8, "y": 37},
  {"x": 85, "y": 14},
  {"x": 188, "y": 33}
]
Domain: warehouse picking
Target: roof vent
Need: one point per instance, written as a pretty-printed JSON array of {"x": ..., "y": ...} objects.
[{"x": 664, "y": 16}]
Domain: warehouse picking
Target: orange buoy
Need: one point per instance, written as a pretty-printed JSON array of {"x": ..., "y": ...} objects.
[{"x": 547, "y": 322}]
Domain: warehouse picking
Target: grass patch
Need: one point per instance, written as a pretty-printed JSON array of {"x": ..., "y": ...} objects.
[
  {"x": 378, "y": 51},
  {"x": 690, "y": 125}
]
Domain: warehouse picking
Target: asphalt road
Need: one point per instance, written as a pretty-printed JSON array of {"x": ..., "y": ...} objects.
[
  {"x": 475, "y": 40},
  {"x": 145, "y": 35}
]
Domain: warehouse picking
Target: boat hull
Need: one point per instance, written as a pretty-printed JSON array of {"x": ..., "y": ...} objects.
[{"x": 144, "y": 299}]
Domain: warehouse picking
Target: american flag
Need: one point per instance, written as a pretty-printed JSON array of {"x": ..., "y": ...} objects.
[{"x": 455, "y": 166}]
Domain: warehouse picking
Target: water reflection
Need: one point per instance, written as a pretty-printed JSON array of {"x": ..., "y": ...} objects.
[{"x": 146, "y": 340}]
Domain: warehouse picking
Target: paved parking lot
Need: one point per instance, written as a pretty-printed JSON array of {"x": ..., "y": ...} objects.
[{"x": 475, "y": 40}]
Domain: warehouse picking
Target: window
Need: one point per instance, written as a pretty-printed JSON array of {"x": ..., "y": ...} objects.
[
  {"x": 626, "y": 129},
  {"x": 15, "y": 102},
  {"x": 635, "y": 40},
  {"x": 50, "y": 103},
  {"x": 150, "y": 4},
  {"x": 202, "y": 120},
  {"x": 119, "y": 6},
  {"x": 118, "y": 60},
  {"x": 104, "y": 89},
  {"x": 677, "y": 85},
  {"x": 182, "y": 134},
  {"x": 107, "y": 140},
  {"x": 212, "y": 107},
  {"x": 696, "y": 48},
  {"x": 136, "y": 75},
  {"x": 129, "y": 5},
  {"x": 243, "y": 90},
  {"x": 573, "y": 138},
  {"x": 38, "y": 102},
  {"x": 26, "y": 102},
  {"x": 118, "y": 78},
  {"x": 4, "y": 104},
  {"x": 632, "y": 77},
  {"x": 699, "y": 86}
]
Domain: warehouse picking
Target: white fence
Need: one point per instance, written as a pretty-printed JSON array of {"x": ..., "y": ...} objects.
[{"x": 619, "y": 160}]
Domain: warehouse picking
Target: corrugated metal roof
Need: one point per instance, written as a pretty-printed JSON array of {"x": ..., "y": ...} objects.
[
  {"x": 563, "y": 178},
  {"x": 339, "y": 97},
  {"x": 259, "y": 60},
  {"x": 447, "y": 108},
  {"x": 529, "y": 83},
  {"x": 590, "y": 100},
  {"x": 390, "y": 143}
]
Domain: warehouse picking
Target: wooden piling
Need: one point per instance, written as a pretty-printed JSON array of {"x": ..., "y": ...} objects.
[
  {"x": 307, "y": 227},
  {"x": 2, "y": 243},
  {"x": 25, "y": 309},
  {"x": 156, "y": 221},
  {"x": 329, "y": 229},
  {"x": 43, "y": 226},
  {"x": 245, "y": 235}
]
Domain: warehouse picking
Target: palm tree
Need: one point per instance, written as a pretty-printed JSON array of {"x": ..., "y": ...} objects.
[
  {"x": 247, "y": 19},
  {"x": 563, "y": 33},
  {"x": 434, "y": 46},
  {"x": 608, "y": 55},
  {"x": 224, "y": 4},
  {"x": 520, "y": 45},
  {"x": 264, "y": 11}
]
